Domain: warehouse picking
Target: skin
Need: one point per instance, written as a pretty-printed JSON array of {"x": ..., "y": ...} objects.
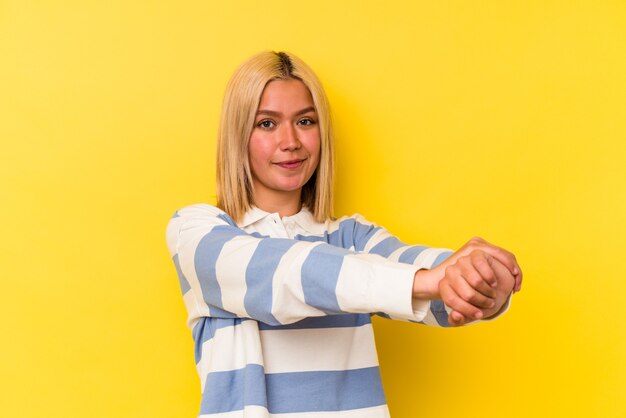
[
  {"x": 284, "y": 151},
  {"x": 284, "y": 147},
  {"x": 475, "y": 281}
]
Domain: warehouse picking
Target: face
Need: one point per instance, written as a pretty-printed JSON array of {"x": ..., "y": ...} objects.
[{"x": 284, "y": 147}]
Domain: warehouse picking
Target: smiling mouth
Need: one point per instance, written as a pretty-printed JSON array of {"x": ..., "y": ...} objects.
[{"x": 291, "y": 164}]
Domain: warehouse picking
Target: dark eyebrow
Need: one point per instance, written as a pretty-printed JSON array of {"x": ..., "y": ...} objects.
[{"x": 272, "y": 113}]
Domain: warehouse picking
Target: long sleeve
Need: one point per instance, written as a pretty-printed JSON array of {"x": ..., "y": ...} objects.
[
  {"x": 358, "y": 234},
  {"x": 226, "y": 273},
  {"x": 371, "y": 238},
  {"x": 375, "y": 239}
]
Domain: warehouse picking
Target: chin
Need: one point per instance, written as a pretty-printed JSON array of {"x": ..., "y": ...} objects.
[
  {"x": 290, "y": 186},
  {"x": 287, "y": 188}
]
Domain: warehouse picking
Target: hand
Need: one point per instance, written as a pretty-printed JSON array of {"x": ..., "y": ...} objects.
[
  {"x": 503, "y": 256},
  {"x": 468, "y": 286},
  {"x": 506, "y": 283},
  {"x": 472, "y": 276}
]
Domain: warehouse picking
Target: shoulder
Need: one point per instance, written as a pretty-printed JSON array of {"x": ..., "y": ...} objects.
[
  {"x": 201, "y": 211},
  {"x": 198, "y": 209},
  {"x": 200, "y": 217}
]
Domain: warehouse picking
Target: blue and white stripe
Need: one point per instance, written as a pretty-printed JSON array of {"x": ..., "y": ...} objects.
[{"x": 280, "y": 309}]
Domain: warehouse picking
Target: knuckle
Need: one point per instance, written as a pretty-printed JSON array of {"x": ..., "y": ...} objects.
[
  {"x": 475, "y": 280},
  {"x": 453, "y": 300},
  {"x": 477, "y": 253},
  {"x": 476, "y": 299},
  {"x": 467, "y": 295},
  {"x": 455, "y": 269},
  {"x": 487, "y": 276},
  {"x": 483, "y": 266},
  {"x": 449, "y": 271},
  {"x": 479, "y": 258},
  {"x": 469, "y": 275}
]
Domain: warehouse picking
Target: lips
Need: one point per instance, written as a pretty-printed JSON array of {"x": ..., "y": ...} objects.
[{"x": 290, "y": 164}]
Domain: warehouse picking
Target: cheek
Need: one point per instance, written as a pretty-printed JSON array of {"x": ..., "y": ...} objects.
[
  {"x": 314, "y": 146},
  {"x": 258, "y": 150}
]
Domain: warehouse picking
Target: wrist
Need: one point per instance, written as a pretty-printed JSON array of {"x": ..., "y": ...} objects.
[{"x": 425, "y": 285}]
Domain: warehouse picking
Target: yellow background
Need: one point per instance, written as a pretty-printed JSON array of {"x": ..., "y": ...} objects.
[{"x": 493, "y": 118}]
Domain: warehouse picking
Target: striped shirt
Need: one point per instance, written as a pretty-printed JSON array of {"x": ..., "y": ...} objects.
[{"x": 280, "y": 309}]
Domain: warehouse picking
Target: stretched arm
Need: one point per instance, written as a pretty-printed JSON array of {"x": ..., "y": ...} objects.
[
  {"x": 371, "y": 238},
  {"x": 472, "y": 290},
  {"x": 225, "y": 272}
]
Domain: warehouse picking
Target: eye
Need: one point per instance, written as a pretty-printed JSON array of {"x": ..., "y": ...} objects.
[
  {"x": 306, "y": 122},
  {"x": 266, "y": 124}
]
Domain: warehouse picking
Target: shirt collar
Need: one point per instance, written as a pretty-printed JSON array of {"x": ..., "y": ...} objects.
[
  {"x": 304, "y": 219},
  {"x": 252, "y": 216}
]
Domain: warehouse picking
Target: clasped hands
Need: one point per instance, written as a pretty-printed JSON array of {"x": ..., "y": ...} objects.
[{"x": 475, "y": 281}]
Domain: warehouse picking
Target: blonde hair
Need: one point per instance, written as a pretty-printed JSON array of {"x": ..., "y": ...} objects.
[{"x": 235, "y": 192}]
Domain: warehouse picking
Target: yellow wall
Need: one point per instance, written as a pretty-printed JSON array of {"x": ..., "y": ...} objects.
[{"x": 492, "y": 118}]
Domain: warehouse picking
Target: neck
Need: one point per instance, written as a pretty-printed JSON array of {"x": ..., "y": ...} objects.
[{"x": 283, "y": 203}]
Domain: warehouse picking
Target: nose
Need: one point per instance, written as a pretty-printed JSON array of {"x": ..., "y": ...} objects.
[{"x": 289, "y": 138}]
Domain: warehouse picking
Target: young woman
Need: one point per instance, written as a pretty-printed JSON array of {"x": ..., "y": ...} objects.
[{"x": 280, "y": 295}]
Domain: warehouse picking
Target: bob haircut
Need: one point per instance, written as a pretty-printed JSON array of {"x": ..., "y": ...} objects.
[{"x": 235, "y": 190}]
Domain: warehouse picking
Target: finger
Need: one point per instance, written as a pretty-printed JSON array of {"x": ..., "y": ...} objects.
[
  {"x": 455, "y": 319},
  {"x": 457, "y": 279},
  {"x": 481, "y": 261},
  {"x": 454, "y": 301},
  {"x": 518, "y": 281},
  {"x": 505, "y": 257},
  {"x": 476, "y": 278},
  {"x": 505, "y": 278}
]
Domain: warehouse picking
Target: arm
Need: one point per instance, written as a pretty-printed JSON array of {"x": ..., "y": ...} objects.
[
  {"x": 472, "y": 290},
  {"x": 371, "y": 238},
  {"x": 225, "y": 272}
]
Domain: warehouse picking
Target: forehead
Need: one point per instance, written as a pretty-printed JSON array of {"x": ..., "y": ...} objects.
[{"x": 285, "y": 96}]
